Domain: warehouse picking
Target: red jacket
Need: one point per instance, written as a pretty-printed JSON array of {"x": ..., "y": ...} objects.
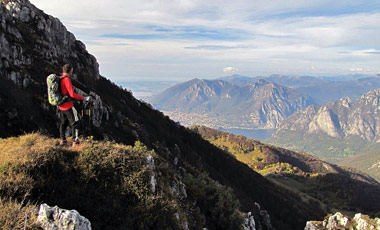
[{"x": 67, "y": 89}]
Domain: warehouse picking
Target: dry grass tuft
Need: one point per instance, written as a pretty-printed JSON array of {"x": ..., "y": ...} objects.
[{"x": 15, "y": 215}]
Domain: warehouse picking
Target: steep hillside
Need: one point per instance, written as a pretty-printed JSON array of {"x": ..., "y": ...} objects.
[
  {"x": 336, "y": 130},
  {"x": 114, "y": 186},
  {"x": 222, "y": 104},
  {"x": 368, "y": 162},
  {"x": 339, "y": 188},
  {"x": 34, "y": 45}
]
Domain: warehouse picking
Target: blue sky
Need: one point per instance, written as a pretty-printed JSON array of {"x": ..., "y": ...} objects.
[{"x": 184, "y": 39}]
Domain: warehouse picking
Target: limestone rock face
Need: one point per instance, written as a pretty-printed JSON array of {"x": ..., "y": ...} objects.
[
  {"x": 34, "y": 45},
  {"x": 53, "y": 218},
  {"x": 249, "y": 223},
  {"x": 57, "y": 43},
  {"x": 324, "y": 121},
  {"x": 341, "y": 222},
  {"x": 342, "y": 118},
  {"x": 258, "y": 219}
]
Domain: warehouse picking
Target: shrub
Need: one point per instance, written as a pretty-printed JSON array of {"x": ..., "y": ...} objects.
[{"x": 217, "y": 202}]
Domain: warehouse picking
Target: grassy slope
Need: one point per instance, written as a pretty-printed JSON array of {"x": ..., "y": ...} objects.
[
  {"x": 331, "y": 187},
  {"x": 100, "y": 180},
  {"x": 325, "y": 147},
  {"x": 107, "y": 183},
  {"x": 368, "y": 162}
]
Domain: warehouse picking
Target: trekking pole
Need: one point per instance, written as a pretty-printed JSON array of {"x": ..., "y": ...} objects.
[
  {"x": 81, "y": 119},
  {"x": 89, "y": 119}
]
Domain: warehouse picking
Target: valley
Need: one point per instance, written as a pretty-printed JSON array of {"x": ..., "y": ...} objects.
[
  {"x": 330, "y": 186},
  {"x": 137, "y": 168},
  {"x": 333, "y": 131}
]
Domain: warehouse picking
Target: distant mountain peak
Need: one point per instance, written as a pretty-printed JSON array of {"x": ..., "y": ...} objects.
[
  {"x": 342, "y": 118},
  {"x": 223, "y": 104},
  {"x": 261, "y": 82},
  {"x": 342, "y": 127}
]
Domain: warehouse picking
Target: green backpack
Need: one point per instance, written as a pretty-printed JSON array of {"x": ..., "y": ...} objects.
[{"x": 54, "y": 90}]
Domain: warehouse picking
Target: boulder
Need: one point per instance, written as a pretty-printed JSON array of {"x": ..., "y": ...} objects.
[{"x": 54, "y": 218}]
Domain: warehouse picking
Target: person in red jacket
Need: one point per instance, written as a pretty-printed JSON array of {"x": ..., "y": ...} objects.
[{"x": 68, "y": 113}]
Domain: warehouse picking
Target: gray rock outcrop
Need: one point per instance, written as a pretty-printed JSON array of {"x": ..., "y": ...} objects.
[
  {"x": 342, "y": 118},
  {"x": 340, "y": 222},
  {"x": 54, "y": 218},
  {"x": 41, "y": 44},
  {"x": 249, "y": 222},
  {"x": 258, "y": 219}
]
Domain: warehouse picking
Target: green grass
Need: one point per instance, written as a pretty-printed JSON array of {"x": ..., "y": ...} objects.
[
  {"x": 367, "y": 162},
  {"x": 108, "y": 183},
  {"x": 325, "y": 147}
]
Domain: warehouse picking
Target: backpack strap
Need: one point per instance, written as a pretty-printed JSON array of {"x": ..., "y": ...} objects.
[{"x": 66, "y": 97}]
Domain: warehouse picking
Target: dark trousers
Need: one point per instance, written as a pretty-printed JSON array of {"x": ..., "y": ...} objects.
[{"x": 69, "y": 117}]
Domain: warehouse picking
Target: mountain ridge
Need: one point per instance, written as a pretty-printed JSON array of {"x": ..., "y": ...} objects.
[
  {"x": 341, "y": 120},
  {"x": 315, "y": 179},
  {"x": 321, "y": 89},
  {"x": 258, "y": 105},
  {"x": 36, "y": 45}
]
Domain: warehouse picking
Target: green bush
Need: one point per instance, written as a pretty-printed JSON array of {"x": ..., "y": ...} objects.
[{"x": 217, "y": 202}]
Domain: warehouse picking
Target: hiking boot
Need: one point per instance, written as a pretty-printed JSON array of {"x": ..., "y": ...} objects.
[
  {"x": 75, "y": 143},
  {"x": 62, "y": 142}
]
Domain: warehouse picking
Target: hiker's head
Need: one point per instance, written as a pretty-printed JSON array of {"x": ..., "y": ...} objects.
[{"x": 68, "y": 69}]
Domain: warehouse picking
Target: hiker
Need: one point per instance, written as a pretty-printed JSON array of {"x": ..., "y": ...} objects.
[{"x": 68, "y": 113}]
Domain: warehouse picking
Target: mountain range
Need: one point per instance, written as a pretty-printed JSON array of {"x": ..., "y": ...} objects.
[
  {"x": 259, "y": 105},
  {"x": 137, "y": 169},
  {"x": 335, "y": 130},
  {"x": 322, "y": 90}
]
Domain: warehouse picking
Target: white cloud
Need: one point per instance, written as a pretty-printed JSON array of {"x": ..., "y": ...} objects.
[
  {"x": 356, "y": 69},
  {"x": 362, "y": 70},
  {"x": 261, "y": 35},
  {"x": 230, "y": 70}
]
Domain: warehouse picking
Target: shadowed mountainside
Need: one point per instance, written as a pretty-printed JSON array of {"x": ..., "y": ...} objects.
[
  {"x": 34, "y": 45},
  {"x": 339, "y": 188}
]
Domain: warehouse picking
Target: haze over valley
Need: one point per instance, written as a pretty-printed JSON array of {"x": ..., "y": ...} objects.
[{"x": 160, "y": 80}]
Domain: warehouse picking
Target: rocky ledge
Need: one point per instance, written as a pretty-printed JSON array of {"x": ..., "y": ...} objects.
[{"x": 341, "y": 222}]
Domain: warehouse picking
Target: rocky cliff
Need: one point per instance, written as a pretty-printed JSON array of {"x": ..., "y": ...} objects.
[
  {"x": 34, "y": 45},
  {"x": 336, "y": 123},
  {"x": 221, "y": 104},
  {"x": 341, "y": 118}
]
